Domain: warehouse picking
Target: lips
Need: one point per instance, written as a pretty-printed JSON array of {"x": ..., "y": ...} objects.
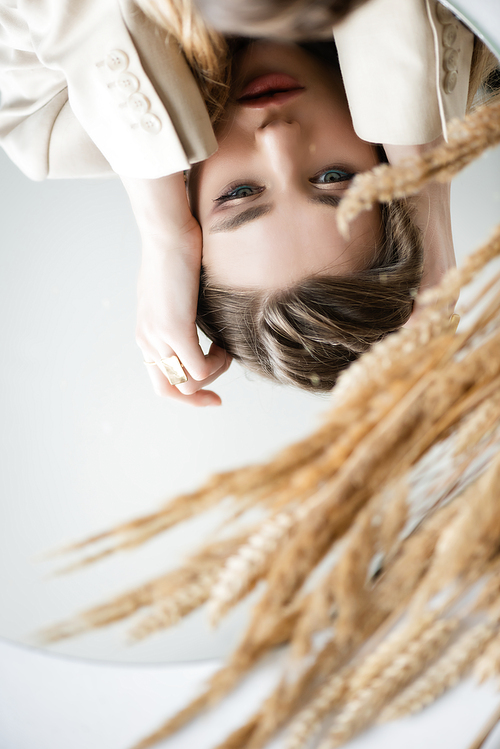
[{"x": 269, "y": 89}]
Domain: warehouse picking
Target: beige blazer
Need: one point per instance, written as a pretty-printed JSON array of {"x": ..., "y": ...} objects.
[
  {"x": 91, "y": 87},
  {"x": 405, "y": 66},
  {"x": 79, "y": 97}
]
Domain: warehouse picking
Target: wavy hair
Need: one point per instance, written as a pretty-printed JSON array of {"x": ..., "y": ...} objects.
[{"x": 308, "y": 333}]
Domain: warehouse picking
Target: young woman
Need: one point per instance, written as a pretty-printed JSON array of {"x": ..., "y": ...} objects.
[
  {"x": 282, "y": 290},
  {"x": 93, "y": 88}
]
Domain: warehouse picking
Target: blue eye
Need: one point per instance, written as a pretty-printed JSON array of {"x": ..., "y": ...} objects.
[
  {"x": 332, "y": 175},
  {"x": 240, "y": 191}
]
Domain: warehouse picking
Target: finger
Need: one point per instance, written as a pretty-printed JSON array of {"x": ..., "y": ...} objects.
[
  {"x": 217, "y": 362},
  {"x": 190, "y": 353},
  {"x": 164, "y": 389},
  {"x": 222, "y": 360}
]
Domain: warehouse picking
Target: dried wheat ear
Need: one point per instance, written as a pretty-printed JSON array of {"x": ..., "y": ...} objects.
[{"x": 395, "y": 494}]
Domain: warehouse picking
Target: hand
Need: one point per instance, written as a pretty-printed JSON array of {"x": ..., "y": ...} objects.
[
  {"x": 433, "y": 218},
  {"x": 168, "y": 290}
]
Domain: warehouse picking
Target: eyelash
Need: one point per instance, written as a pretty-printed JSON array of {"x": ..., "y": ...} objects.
[
  {"x": 231, "y": 194},
  {"x": 345, "y": 176}
]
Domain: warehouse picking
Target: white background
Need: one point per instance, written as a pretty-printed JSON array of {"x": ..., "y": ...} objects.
[{"x": 86, "y": 444}]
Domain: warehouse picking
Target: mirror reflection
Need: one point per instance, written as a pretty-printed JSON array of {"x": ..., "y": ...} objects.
[{"x": 86, "y": 441}]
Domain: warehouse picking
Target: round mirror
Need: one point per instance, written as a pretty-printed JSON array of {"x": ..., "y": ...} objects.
[{"x": 86, "y": 442}]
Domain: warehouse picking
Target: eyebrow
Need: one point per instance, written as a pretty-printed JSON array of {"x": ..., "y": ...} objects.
[
  {"x": 244, "y": 217},
  {"x": 331, "y": 200},
  {"x": 251, "y": 214}
]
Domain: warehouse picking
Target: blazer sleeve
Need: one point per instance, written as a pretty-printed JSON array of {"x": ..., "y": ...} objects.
[
  {"x": 78, "y": 97},
  {"x": 405, "y": 66}
]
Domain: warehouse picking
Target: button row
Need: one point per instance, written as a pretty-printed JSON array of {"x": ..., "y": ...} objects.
[
  {"x": 117, "y": 62},
  {"x": 449, "y": 36}
]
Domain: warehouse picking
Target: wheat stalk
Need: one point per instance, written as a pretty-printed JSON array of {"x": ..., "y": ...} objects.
[
  {"x": 467, "y": 139},
  {"x": 443, "y": 674},
  {"x": 365, "y": 705}
]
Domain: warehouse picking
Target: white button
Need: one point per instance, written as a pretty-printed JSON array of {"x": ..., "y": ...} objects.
[
  {"x": 450, "y": 81},
  {"x": 449, "y": 35},
  {"x": 151, "y": 123},
  {"x": 444, "y": 15},
  {"x": 128, "y": 83},
  {"x": 450, "y": 59},
  {"x": 138, "y": 103},
  {"x": 116, "y": 60}
]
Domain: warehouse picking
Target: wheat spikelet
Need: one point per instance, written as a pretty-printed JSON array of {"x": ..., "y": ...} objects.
[
  {"x": 393, "y": 591},
  {"x": 250, "y": 561},
  {"x": 400, "y": 355},
  {"x": 490, "y": 591},
  {"x": 201, "y": 566},
  {"x": 136, "y": 532},
  {"x": 488, "y": 665},
  {"x": 245, "y": 656},
  {"x": 411, "y": 419},
  {"x": 309, "y": 720},
  {"x": 471, "y": 539},
  {"x": 480, "y": 422},
  {"x": 246, "y": 485},
  {"x": 363, "y": 707},
  {"x": 107, "y": 613},
  {"x": 290, "y": 570},
  {"x": 467, "y": 139},
  {"x": 290, "y": 692},
  {"x": 184, "y": 600},
  {"x": 395, "y": 357},
  {"x": 297, "y": 683},
  {"x": 443, "y": 674},
  {"x": 241, "y": 736},
  {"x": 354, "y": 679},
  {"x": 402, "y": 573},
  {"x": 377, "y": 661}
]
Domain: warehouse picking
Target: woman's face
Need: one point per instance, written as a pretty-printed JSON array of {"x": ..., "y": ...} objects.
[{"x": 267, "y": 200}]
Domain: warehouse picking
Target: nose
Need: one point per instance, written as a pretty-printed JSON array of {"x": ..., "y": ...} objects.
[{"x": 280, "y": 141}]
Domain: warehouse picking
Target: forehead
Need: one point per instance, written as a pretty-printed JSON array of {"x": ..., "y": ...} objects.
[{"x": 287, "y": 244}]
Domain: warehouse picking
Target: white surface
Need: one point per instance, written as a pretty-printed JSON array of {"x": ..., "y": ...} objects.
[
  {"x": 50, "y": 702},
  {"x": 482, "y": 16}
]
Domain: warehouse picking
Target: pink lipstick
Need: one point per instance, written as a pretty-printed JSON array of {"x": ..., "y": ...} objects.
[{"x": 268, "y": 89}]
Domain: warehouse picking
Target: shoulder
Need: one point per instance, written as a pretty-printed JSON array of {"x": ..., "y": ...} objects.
[
  {"x": 406, "y": 69},
  {"x": 127, "y": 86}
]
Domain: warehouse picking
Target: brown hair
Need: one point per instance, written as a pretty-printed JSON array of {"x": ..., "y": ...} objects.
[
  {"x": 307, "y": 333},
  {"x": 204, "y": 48}
]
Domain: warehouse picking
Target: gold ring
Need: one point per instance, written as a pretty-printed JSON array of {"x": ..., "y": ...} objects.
[
  {"x": 454, "y": 320},
  {"x": 173, "y": 370},
  {"x": 149, "y": 363}
]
